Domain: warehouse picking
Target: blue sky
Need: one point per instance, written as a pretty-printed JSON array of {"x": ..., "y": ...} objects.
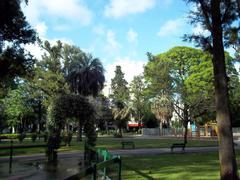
[{"x": 119, "y": 32}]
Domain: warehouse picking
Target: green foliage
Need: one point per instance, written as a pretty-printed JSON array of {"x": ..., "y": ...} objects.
[
  {"x": 120, "y": 98},
  {"x": 103, "y": 113},
  {"x": 138, "y": 99},
  {"x": 119, "y": 89},
  {"x": 184, "y": 76},
  {"x": 121, "y": 114},
  {"x": 49, "y": 77},
  {"x": 17, "y": 107},
  {"x": 14, "y": 32},
  {"x": 86, "y": 75},
  {"x": 9, "y": 136}
]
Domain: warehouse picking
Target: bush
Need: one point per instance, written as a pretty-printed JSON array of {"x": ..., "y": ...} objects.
[
  {"x": 33, "y": 137},
  {"x": 9, "y": 136}
]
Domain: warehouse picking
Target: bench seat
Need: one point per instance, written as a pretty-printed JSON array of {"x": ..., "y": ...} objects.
[
  {"x": 178, "y": 145},
  {"x": 127, "y": 143}
]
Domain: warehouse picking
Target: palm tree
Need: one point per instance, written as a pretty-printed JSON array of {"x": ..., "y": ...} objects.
[
  {"x": 85, "y": 77},
  {"x": 121, "y": 114}
]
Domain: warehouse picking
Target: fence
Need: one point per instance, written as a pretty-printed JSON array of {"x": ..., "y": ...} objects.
[
  {"x": 99, "y": 164},
  {"x": 11, "y": 148},
  {"x": 178, "y": 132}
]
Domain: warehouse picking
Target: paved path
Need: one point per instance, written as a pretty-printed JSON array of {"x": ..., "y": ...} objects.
[{"x": 122, "y": 152}]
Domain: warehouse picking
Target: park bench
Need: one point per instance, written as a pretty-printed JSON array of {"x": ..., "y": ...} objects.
[
  {"x": 178, "y": 145},
  {"x": 127, "y": 143}
]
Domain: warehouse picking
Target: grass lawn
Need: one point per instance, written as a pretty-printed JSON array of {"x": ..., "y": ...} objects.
[
  {"x": 172, "y": 166},
  {"x": 105, "y": 142}
]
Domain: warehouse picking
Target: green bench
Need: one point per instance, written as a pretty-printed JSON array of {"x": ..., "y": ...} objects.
[
  {"x": 127, "y": 143},
  {"x": 178, "y": 145}
]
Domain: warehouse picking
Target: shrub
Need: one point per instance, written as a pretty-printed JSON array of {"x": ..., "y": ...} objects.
[{"x": 9, "y": 136}]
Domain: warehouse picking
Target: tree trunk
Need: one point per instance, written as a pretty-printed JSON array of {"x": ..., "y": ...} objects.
[
  {"x": 227, "y": 158},
  {"x": 79, "y": 137},
  {"x": 185, "y": 121},
  {"x": 185, "y": 132}
]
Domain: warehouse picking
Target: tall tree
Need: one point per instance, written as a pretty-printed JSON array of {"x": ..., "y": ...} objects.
[
  {"x": 120, "y": 98},
  {"x": 14, "y": 32},
  {"x": 49, "y": 76},
  {"x": 84, "y": 74},
  {"x": 138, "y": 99},
  {"x": 218, "y": 16},
  {"x": 172, "y": 78},
  {"x": 119, "y": 89}
]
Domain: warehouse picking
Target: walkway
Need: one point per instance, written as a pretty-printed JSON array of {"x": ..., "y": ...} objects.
[{"x": 122, "y": 152}]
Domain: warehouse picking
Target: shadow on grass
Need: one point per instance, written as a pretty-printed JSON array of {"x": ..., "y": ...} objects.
[{"x": 173, "y": 166}]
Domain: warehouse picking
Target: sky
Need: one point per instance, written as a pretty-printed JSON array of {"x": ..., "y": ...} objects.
[{"x": 118, "y": 32}]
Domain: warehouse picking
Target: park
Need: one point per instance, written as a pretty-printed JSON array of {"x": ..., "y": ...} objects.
[{"x": 79, "y": 100}]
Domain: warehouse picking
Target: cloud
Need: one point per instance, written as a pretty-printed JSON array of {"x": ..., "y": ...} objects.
[
  {"x": 171, "y": 27},
  {"x": 198, "y": 29},
  {"x": 132, "y": 36},
  {"x": 70, "y": 10},
  {"x": 130, "y": 68},
  {"x": 62, "y": 27},
  {"x": 121, "y": 8},
  {"x": 41, "y": 29},
  {"x": 112, "y": 44},
  {"x": 99, "y": 29}
]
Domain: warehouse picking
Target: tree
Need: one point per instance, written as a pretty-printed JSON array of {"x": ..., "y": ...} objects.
[
  {"x": 162, "y": 107},
  {"x": 14, "y": 32},
  {"x": 18, "y": 110},
  {"x": 85, "y": 75},
  {"x": 49, "y": 77},
  {"x": 119, "y": 89},
  {"x": 138, "y": 99},
  {"x": 103, "y": 113},
  {"x": 218, "y": 16},
  {"x": 120, "y": 98},
  {"x": 121, "y": 114},
  {"x": 174, "y": 82}
]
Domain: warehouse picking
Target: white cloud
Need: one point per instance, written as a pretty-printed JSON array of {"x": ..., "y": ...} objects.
[
  {"x": 132, "y": 36},
  {"x": 121, "y": 8},
  {"x": 112, "y": 44},
  {"x": 198, "y": 29},
  {"x": 171, "y": 27},
  {"x": 41, "y": 29},
  {"x": 71, "y": 10},
  {"x": 99, "y": 29},
  {"x": 129, "y": 67},
  {"x": 62, "y": 27}
]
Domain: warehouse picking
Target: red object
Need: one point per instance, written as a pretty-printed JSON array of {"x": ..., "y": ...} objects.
[{"x": 135, "y": 125}]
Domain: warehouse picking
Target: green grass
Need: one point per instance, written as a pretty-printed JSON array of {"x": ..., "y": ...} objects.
[
  {"x": 172, "y": 166},
  {"x": 104, "y": 142}
]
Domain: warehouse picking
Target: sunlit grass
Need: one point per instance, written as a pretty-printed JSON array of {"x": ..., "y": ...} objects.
[{"x": 173, "y": 166}]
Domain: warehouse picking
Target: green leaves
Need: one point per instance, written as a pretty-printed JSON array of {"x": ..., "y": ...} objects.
[{"x": 120, "y": 91}]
